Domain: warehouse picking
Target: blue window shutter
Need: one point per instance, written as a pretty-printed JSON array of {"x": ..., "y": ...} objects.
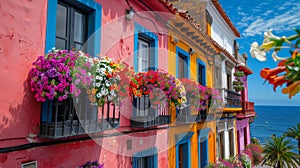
[{"x": 51, "y": 25}]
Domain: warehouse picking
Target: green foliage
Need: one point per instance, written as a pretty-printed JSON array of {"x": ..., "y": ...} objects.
[
  {"x": 278, "y": 153},
  {"x": 238, "y": 84},
  {"x": 294, "y": 132}
]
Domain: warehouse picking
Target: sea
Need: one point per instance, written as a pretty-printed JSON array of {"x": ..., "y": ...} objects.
[{"x": 274, "y": 120}]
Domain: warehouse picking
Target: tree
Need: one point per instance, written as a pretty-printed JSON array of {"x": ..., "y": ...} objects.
[
  {"x": 277, "y": 153},
  {"x": 294, "y": 132}
]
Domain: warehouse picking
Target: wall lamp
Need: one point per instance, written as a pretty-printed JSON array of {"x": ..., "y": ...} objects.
[
  {"x": 129, "y": 13},
  {"x": 192, "y": 51}
]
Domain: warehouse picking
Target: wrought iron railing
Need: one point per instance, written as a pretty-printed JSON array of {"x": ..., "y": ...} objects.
[
  {"x": 188, "y": 114},
  {"x": 185, "y": 115},
  {"x": 232, "y": 99},
  {"x": 75, "y": 117},
  {"x": 147, "y": 115}
]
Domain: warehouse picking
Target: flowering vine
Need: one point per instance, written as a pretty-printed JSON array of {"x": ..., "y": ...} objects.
[{"x": 288, "y": 69}]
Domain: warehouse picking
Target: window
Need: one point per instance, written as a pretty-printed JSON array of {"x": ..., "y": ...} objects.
[
  {"x": 203, "y": 152},
  {"x": 218, "y": 77},
  {"x": 201, "y": 72},
  {"x": 71, "y": 27},
  {"x": 145, "y": 159},
  {"x": 183, "y": 159},
  {"x": 143, "y": 55},
  {"x": 221, "y": 146},
  {"x": 182, "y": 66},
  {"x": 182, "y": 63},
  {"x": 183, "y": 151},
  {"x": 75, "y": 24},
  {"x": 203, "y": 147},
  {"x": 229, "y": 81},
  {"x": 144, "y": 162},
  {"x": 245, "y": 137},
  {"x": 231, "y": 142},
  {"x": 145, "y": 49}
]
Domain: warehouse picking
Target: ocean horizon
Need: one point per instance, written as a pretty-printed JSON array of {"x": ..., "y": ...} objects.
[{"x": 274, "y": 120}]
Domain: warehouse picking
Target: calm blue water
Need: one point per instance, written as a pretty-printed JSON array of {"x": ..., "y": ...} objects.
[{"x": 274, "y": 120}]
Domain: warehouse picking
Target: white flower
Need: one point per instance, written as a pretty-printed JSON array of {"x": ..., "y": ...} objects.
[
  {"x": 257, "y": 53},
  {"x": 89, "y": 74},
  {"x": 276, "y": 58},
  {"x": 97, "y": 77},
  {"x": 118, "y": 77},
  {"x": 101, "y": 78},
  {"x": 268, "y": 36},
  {"x": 97, "y": 70},
  {"x": 106, "y": 91},
  {"x": 81, "y": 53},
  {"x": 107, "y": 83},
  {"x": 98, "y": 95},
  {"x": 98, "y": 84},
  {"x": 102, "y": 70}
]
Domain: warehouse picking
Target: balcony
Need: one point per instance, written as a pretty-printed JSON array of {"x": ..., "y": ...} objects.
[
  {"x": 185, "y": 116},
  {"x": 76, "y": 117},
  {"x": 248, "y": 106},
  {"x": 232, "y": 98},
  {"x": 147, "y": 115},
  {"x": 248, "y": 110}
]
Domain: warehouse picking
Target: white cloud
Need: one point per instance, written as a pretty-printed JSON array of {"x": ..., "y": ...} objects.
[
  {"x": 284, "y": 6},
  {"x": 281, "y": 22},
  {"x": 267, "y": 12}
]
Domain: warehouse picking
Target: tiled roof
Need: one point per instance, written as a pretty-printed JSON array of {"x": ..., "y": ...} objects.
[{"x": 225, "y": 17}]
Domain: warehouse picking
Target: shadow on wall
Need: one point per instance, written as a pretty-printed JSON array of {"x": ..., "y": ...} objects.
[{"x": 22, "y": 117}]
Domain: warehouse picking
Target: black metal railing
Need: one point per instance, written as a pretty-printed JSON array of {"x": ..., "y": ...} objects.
[
  {"x": 147, "y": 115},
  {"x": 232, "y": 98},
  {"x": 76, "y": 116},
  {"x": 184, "y": 115}
]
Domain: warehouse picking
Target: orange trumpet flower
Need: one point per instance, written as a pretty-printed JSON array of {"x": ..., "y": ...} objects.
[
  {"x": 277, "y": 81},
  {"x": 266, "y": 73},
  {"x": 291, "y": 89}
]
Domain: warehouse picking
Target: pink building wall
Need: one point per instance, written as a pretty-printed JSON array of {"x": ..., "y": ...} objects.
[
  {"x": 242, "y": 125},
  {"x": 245, "y": 81},
  {"x": 22, "y": 40}
]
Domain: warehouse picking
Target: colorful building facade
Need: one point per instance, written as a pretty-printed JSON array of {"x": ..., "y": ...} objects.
[{"x": 148, "y": 35}]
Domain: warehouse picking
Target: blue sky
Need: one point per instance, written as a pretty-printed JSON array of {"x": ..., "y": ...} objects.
[{"x": 252, "y": 19}]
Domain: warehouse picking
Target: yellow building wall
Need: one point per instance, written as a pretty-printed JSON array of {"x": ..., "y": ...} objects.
[
  {"x": 194, "y": 127},
  {"x": 193, "y": 59}
]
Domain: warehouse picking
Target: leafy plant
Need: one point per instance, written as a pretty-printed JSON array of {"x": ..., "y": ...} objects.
[
  {"x": 238, "y": 84},
  {"x": 294, "y": 132},
  {"x": 278, "y": 153}
]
